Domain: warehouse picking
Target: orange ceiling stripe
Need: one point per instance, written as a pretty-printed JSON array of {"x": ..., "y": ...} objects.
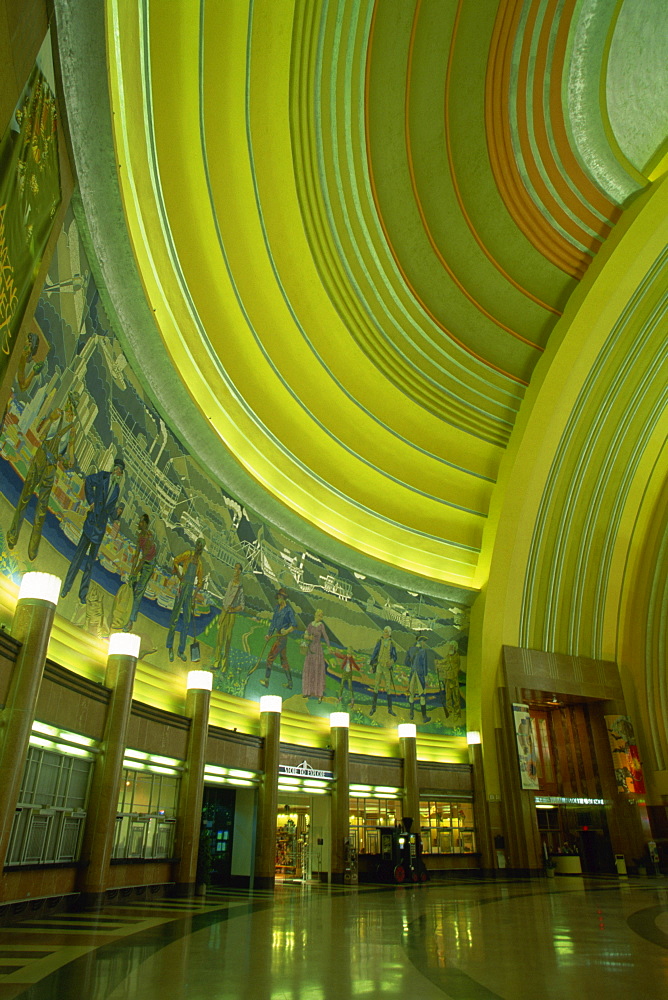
[
  {"x": 499, "y": 143},
  {"x": 541, "y": 137},
  {"x": 397, "y": 261},
  {"x": 524, "y": 92},
  {"x": 455, "y": 184},
  {"x": 418, "y": 201},
  {"x": 590, "y": 192}
]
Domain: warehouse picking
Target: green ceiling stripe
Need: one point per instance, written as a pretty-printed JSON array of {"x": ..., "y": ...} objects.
[
  {"x": 615, "y": 519},
  {"x": 606, "y": 484},
  {"x": 517, "y": 146},
  {"x": 269, "y": 434},
  {"x": 616, "y": 149},
  {"x": 656, "y": 657},
  {"x": 349, "y": 170},
  {"x": 551, "y": 140},
  {"x": 604, "y": 464},
  {"x": 568, "y": 444},
  {"x": 569, "y": 447},
  {"x": 584, "y": 121}
]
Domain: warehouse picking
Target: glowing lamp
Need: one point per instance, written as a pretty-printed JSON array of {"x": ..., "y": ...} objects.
[
  {"x": 271, "y": 703},
  {"x": 407, "y": 729},
  {"x": 340, "y": 720},
  {"x": 40, "y": 586},
  {"x": 199, "y": 680},
  {"x": 124, "y": 644}
]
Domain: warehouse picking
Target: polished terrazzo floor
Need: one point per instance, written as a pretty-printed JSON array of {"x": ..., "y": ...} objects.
[{"x": 466, "y": 940}]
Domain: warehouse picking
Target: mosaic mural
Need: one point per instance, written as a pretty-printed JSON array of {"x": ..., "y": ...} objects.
[{"x": 97, "y": 489}]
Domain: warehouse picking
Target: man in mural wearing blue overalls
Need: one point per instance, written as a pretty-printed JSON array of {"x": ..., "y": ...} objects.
[
  {"x": 102, "y": 491},
  {"x": 417, "y": 658},
  {"x": 282, "y": 623},
  {"x": 190, "y": 571}
]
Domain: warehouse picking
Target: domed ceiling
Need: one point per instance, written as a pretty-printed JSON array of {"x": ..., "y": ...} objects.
[{"x": 353, "y": 227}]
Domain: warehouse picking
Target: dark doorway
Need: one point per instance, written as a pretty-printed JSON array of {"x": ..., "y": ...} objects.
[
  {"x": 218, "y": 818},
  {"x": 594, "y": 844}
]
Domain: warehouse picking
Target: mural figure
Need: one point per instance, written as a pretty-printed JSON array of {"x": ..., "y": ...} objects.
[
  {"x": 29, "y": 368},
  {"x": 190, "y": 571},
  {"x": 313, "y": 676},
  {"x": 102, "y": 490},
  {"x": 57, "y": 445},
  {"x": 448, "y": 678},
  {"x": 417, "y": 658},
  {"x": 143, "y": 564},
  {"x": 233, "y": 603},
  {"x": 348, "y": 665},
  {"x": 282, "y": 623},
  {"x": 382, "y": 661}
]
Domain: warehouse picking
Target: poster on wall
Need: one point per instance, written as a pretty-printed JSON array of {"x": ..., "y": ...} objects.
[
  {"x": 526, "y": 747},
  {"x": 97, "y": 489},
  {"x": 29, "y": 198},
  {"x": 625, "y": 756}
]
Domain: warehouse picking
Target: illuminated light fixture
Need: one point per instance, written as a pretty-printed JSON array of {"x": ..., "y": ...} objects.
[
  {"x": 67, "y": 751},
  {"x": 229, "y": 776},
  {"x": 539, "y": 806},
  {"x": 63, "y": 734},
  {"x": 339, "y": 720},
  {"x": 199, "y": 680},
  {"x": 40, "y": 586},
  {"x": 271, "y": 703},
  {"x": 473, "y": 737},
  {"x": 360, "y": 788},
  {"x": 124, "y": 644},
  {"x": 407, "y": 729}
]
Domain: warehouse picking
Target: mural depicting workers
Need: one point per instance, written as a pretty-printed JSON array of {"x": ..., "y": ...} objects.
[
  {"x": 417, "y": 658},
  {"x": 102, "y": 491},
  {"x": 348, "y": 667},
  {"x": 143, "y": 564},
  {"x": 190, "y": 571},
  {"x": 282, "y": 623},
  {"x": 313, "y": 674},
  {"x": 382, "y": 661},
  {"x": 233, "y": 603},
  {"x": 447, "y": 669},
  {"x": 58, "y": 433}
]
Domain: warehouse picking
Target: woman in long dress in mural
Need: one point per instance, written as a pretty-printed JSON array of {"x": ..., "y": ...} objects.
[{"x": 313, "y": 675}]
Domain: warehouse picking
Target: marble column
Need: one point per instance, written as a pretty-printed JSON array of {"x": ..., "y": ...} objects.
[
  {"x": 265, "y": 841},
  {"x": 339, "y": 722},
  {"x": 408, "y": 744},
  {"x": 98, "y": 840},
  {"x": 483, "y": 833},
  {"x": 189, "y": 820},
  {"x": 33, "y": 618}
]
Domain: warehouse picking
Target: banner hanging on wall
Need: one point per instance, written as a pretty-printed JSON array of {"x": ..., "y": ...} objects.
[
  {"x": 625, "y": 756},
  {"x": 526, "y": 747}
]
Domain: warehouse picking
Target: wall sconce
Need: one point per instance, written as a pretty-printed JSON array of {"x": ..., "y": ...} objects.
[
  {"x": 407, "y": 729},
  {"x": 473, "y": 737},
  {"x": 339, "y": 720},
  {"x": 199, "y": 680},
  {"x": 124, "y": 644},
  {"x": 271, "y": 703},
  {"x": 40, "y": 586}
]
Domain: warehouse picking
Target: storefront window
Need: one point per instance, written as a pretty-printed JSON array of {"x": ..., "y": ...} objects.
[
  {"x": 447, "y": 827},
  {"x": 366, "y": 815}
]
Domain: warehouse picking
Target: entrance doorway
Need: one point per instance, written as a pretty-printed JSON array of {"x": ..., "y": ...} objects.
[
  {"x": 218, "y": 819},
  {"x": 293, "y": 851}
]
